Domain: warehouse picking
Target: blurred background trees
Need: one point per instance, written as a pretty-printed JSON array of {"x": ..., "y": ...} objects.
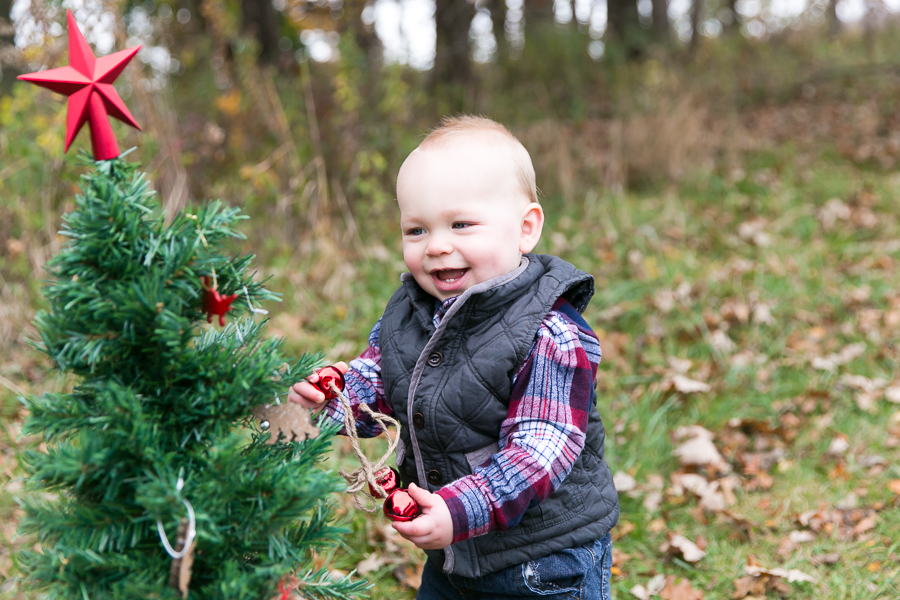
[
  {"x": 327, "y": 96},
  {"x": 304, "y": 109}
]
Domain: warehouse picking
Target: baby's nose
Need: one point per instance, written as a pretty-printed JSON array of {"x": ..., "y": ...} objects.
[{"x": 438, "y": 245}]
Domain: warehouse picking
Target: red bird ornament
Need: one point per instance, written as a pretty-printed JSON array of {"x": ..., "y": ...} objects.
[
  {"x": 88, "y": 82},
  {"x": 215, "y": 303}
]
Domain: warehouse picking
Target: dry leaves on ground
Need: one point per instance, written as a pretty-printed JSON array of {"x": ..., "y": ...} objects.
[
  {"x": 760, "y": 580},
  {"x": 679, "y": 590}
]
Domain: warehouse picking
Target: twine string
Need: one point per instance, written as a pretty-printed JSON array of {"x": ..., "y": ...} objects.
[
  {"x": 360, "y": 479},
  {"x": 191, "y": 532}
]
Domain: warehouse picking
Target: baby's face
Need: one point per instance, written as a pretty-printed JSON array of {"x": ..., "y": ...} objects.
[{"x": 463, "y": 216}]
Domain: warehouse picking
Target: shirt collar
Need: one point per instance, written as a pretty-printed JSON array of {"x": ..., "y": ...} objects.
[{"x": 441, "y": 308}]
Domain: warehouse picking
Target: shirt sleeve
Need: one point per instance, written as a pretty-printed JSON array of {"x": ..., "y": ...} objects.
[
  {"x": 363, "y": 386},
  {"x": 542, "y": 435}
]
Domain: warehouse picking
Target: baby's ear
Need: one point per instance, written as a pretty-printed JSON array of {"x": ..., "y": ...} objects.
[{"x": 532, "y": 225}]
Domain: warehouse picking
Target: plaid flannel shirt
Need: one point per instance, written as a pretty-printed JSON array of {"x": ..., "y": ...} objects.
[{"x": 540, "y": 439}]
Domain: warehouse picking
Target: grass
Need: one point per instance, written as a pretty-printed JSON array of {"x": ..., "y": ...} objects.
[{"x": 642, "y": 249}]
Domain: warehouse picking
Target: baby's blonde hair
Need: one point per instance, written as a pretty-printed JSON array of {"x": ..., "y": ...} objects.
[{"x": 470, "y": 125}]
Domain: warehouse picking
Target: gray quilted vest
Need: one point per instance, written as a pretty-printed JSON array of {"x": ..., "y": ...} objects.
[{"x": 450, "y": 388}]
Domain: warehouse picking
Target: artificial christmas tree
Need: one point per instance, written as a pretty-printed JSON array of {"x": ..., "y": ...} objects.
[{"x": 156, "y": 437}]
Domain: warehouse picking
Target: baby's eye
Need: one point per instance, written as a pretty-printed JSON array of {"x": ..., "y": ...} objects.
[
  {"x": 415, "y": 231},
  {"x": 460, "y": 225}
]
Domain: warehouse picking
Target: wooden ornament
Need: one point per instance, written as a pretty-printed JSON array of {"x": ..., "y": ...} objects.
[
  {"x": 180, "y": 573},
  {"x": 289, "y": 419}
]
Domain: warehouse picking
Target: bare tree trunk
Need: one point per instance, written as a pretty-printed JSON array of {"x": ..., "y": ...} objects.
[
  {"x": 363, "y": 33},
  {"x": 8, "y": 73},
  {"x": 731, "y": 26},
  {"x": 661, "y": 21},
  {"x": 538, "y": 13},
  {"x": 696, "y": 11},
  {"x": 451, "y": 59},
  {"x": 261, "y": 21},
  {"x": 497, "y": 9},
  {"x": 834, "y": 24},
  {"x": 624, "y": 26}
]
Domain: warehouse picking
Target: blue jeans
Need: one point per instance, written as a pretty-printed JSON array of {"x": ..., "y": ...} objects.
[{"x": 575, "y": 573}]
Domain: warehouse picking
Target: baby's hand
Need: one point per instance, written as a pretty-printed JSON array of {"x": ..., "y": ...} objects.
[
  {"x": 305, "y": 393},
  {"x": 433, "y": 529}
]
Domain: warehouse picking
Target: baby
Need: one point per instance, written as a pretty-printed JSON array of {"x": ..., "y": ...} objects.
[{"x": 483, "y": 357}]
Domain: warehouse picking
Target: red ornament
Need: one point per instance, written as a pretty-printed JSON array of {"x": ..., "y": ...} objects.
[
  {"x": 388, "y": 479},
  {"x": 400, "y": 506},
  {"x": 87, "y": 81},
  {"x": 215, "y": 303},
  {"x": 327, "y": 376}
]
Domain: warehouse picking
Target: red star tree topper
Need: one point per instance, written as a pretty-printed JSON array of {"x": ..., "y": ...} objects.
[{"x": 87, "y": 81}]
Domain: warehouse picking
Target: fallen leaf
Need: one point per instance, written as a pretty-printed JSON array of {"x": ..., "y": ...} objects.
[
  {"x": 762, "y": 314},
  {"x": 619, "y": 558},
  {"x": 829, "y": 558},
  {"x": 892, "y": 394},
  {"x": 692, "y": 431},
  {"x": 863, "y": 526},
  {"x": 640, "y": 592},
  {"x": 894, "y": 486},
  {"x": 624, "y": 482},
  {"x": 750, "y": 587},
  {"x": 832, "y": 361},
  {"x": 680, "y": 591},
  {"x": 761, "y": 462},
  {"x": 872, "y": 460},
  {"x": 866, "y": 400},
  {"x": 664, "y": 300},
  {"x": 698, "y": 451},
  {"x": 719, "y": 340},
  {"x": 833, "y": 211},
  {"x": 652, "y": 501},
  {"x": 656, "y": 584},
  {"x": 683, "y": 365},
  {"x": 735, "y": 311},
  {"x": 372, "y": 562},
  {"x": 838, "y": 446},
  {"x": 678, "y": 545},
  {"x": 653, "y": 588},
  {"x": 685, "y": 385},
  {"x": 714, "y": 496},
  {"x": 409, "y": 576},
  {"x": 786, "y": 548},
  {"x": 656, "y": 525},
  {"x": 801, "y": 537},
  {"x": 791, "y": 575},
  {"x": 15, "y": 247},
  {"x": 622, "y": 529}
]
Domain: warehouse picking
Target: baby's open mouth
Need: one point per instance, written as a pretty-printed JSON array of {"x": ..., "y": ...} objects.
[{"x": 449, "y": 275}]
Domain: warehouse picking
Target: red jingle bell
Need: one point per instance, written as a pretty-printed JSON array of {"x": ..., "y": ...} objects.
[
  {"x": 400, "y": 506},
  {"x": 327, "y": 376},
  {"x": 388, "y": 479}
]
